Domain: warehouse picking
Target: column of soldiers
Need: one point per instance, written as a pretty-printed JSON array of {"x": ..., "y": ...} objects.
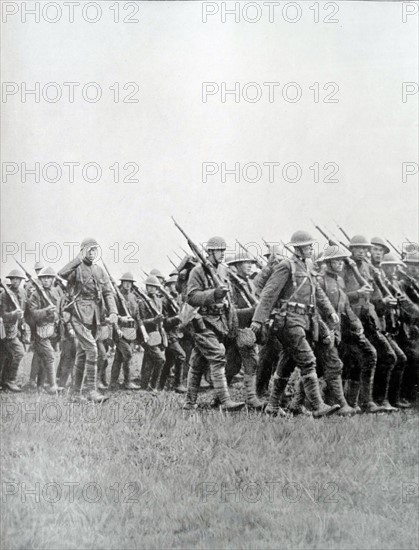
[{"x": 350, "y": 318}]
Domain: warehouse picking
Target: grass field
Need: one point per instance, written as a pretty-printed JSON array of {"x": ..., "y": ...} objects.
[{"x": 137, "y": 472}]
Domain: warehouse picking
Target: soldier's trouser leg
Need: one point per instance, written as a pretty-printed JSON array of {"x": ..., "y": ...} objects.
[
  {"x": 187, "y": 344},
  {"x": 16, "y": 351},
  {"x": 294, "y": 341},
  {"x": 268, "y": 358},
  {"x": 67, "y": 358},
  {"x": 175, "y": 355},
  {"x": 198, "y": 366},
  {"x": 396, "y": 379},
  {"x": 329, "y": 358},
  {"x": 386, "y": 360},
  {"x": 214, "y": 352},
  {"x": 4, "y": 357},
  {"x": 35, "y": 367},
  {"x": 284, "y": 368},
  {"x": 154, "y": 360},
  {"x": 116, "y": 366},
  {"x": 233, "y": 361},
  {"x": 125, "y": 349},
  {"x": 43, "y": 348},
  {"x": 411, "y": 374},
  {"x": 86, "y": 356},
  {"x": 102, "y": 362}
]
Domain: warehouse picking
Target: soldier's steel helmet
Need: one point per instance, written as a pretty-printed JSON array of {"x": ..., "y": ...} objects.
[
  {"x": 171, "y": 279},
  {"x": 216, "y": 243},
  {"x": 301, "y": 238},
  {"x": 391, "y": 259},
  {"x": 89, "y": 242},
  {"x": 128, "y": 276},
  {"x": 152, "y": 281},
  {"x": 378, "y": 241},
  {"x": 412, "y": 258},
  {"x": 156, "y": 273},
  {"x": 38, "y": 265},
  {"x": 274, "y": 250},
  {"x": 238, "y": 258},
  {"x": 17, "y": 273},
  {"x": 334, "y": 252},
  {"x": 46, "y": 272},
  {"x": 359, "y": 240}
]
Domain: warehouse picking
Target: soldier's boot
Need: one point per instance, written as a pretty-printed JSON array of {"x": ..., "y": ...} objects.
[
  {"x": 128, "y": 385},
  {"x": 296, "y": 405},
  {"x": 155, "y": 377},
  {"x": 116, "y": 369},
  {"x": 78, "y": 375},
  {"x": 385, "y": 403},
  {"x": 34, "y": 369},
  {"x": 221, "y": 391},
  {"x": 177, "y": 382},
  {"x": 337, "y": 396},
  {"x": 352, "y": 393},
  {"x": 50, "y": 376},
  {"x": 273, "y": 407},
  {"x": 397, "y": 380},
  {"x": 101, "y": 374},
  {"x": 251, "y": 399},
  {"x": 366, "y": 402},
  {"x": 194, "y": 380},
  {"x": 312, "y": 390},
  {"x": 91, "y": 384}
]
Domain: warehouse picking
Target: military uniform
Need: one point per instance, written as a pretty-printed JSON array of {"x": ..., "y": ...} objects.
[
  {"x": 13, "y": 346},
  {"x": 154, "y": 357},
  {"x": 124, "y": 342},
  {"x": 348, "y": 334},
  {"x": 294, "y": 298},
  {"x": 46, "y": 333},
  {"x": 89, "y": 290},
  {"x": 364, "y": 308},
  {"x": 175, "y": 354},
  {"x": 216, "y": 322}
]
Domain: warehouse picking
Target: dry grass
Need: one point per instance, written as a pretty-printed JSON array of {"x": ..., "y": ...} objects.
[{"x": 203, "y": 480}]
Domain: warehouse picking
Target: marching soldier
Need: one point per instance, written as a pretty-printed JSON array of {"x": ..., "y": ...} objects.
[
  {"x": 294, "y": 296},
  {"x": 175, "y": 354},
  {"x": 405, "y": 327},
  {"x": 364, "y": 296},
  {"x": 128, "y": 327},
  {"x": 349, "y": 333},
  {"x": 151, "y": 312},
  {"x": 12, "y": 306},
  {"x": 46, "y": 318},
  {"x": 243, "y": 350},
  {"x": 217, "y": 321},
  {"x": 89, "y": 288}
]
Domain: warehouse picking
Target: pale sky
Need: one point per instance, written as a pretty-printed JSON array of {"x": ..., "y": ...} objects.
[{"x": 170, "y": 132}]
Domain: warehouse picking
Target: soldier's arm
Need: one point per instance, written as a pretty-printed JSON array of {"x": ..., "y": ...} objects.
[
  {"x": 69, "y": 268},
  {"x": 271, "y": 291},
  {"x": 354, "y": 321},
  {"x": 325, "y": 307},
  {"x": 38, "y": 313},
  {"x": 108, "y": 293},
  {"x": 197, "y": 295},
  {"x": 147, "y": 317},
  {"x": 261, "y": 278},
  {"x": 8, "y": 316}
]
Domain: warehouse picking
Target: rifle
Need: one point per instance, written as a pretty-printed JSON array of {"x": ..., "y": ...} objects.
[
  {"x": 10, "y": 295},
  {"x": 257, "y": 259},
  {"x": 173, "y": 263},
  {"x": 179, "y": 257},
  {"x": 123, "y": 303},
  {"x": 206, "y": 264},
  {"x": 342, "y": 231},
  {"x": 245, "y": 294},
  {"x": 349, "y": 261},
  {"x": 154, "y": 310},
  {"x": 37, "y": 285},
  {"x": 172, "y": 301},
  {"x": 396, "y": 250}
]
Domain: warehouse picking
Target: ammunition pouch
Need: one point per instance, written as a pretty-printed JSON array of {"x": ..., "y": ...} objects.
[
  {"x": 46, "y": 331},
  {"x": 215, "y": 309},
  {"x": 128, "y": 328}
]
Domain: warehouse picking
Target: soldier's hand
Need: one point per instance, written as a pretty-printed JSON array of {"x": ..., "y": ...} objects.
[
  {"x": 390, "y": 301},
  {"x": 364, "y": 292},
  {"x": 220, "y": 293},
  {"x": 113, "y": 318},
  {"x": 359, "y": 331},
  {"x": 19, "y": 314},
  {"x": 70, "y": 332},
  {"x": 335, "y": 318},
  {"x": 158, "y": 318},
  {"x": 255, "y": 326}
]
